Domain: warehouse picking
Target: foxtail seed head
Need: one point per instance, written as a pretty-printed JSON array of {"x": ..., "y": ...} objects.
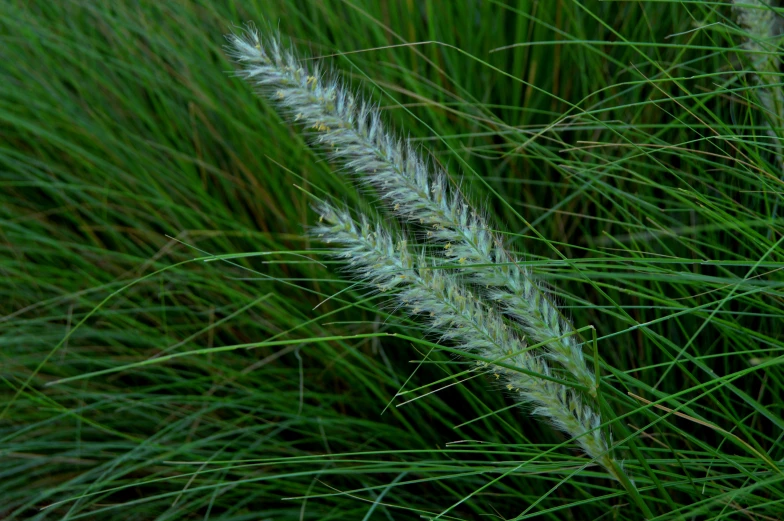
[{"x": 415, "y": 188}]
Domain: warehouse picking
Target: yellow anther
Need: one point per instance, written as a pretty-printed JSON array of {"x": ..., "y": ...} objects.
[
  {"x": 510, "y": 387},
  {"x": 461, "y": 260},
  {"x": 497, "y": 376},
  {"x": 397, "y": 206},
  {"x": 448, "y": 245}
]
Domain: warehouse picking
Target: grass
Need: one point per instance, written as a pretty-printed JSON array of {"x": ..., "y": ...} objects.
[{"x": 175, "y": 347}]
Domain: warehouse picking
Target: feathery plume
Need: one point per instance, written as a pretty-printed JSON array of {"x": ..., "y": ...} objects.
[
  {"x": 384, "y": 261},
  {"x": 764, "y": 29},
  {"x": 352, "y": 132}
]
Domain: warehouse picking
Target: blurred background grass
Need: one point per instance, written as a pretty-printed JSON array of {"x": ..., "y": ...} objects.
[{"x": 621, "y": 144}]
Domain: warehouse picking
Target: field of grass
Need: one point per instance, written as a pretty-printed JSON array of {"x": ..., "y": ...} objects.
[{"x": 173, "y": 346}]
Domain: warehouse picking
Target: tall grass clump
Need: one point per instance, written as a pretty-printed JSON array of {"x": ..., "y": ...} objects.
[{"x": 552, "y": 289}]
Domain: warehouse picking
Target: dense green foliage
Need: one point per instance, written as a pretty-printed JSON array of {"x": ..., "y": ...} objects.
[{"x": 173, "y": 347}]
